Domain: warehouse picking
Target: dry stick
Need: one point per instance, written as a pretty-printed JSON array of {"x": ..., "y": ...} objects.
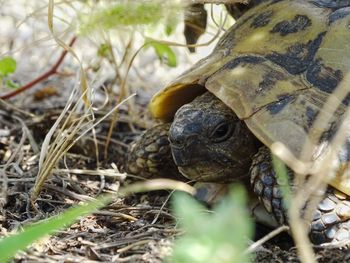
[
  {"x": 132, "y": 245},
  {"x": 323, "y": 169},
  {"x": 3, "y": 193},
  {"x": 105, "y": 172},
  {"x": 42, "y": 77},
  {"x": 16, "y": 109},
  {"x": 253, "y": 247},
  {"x": 161, "y": 208}
]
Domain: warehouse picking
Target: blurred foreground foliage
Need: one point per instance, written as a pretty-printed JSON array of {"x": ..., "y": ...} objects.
[
  {"x": 112, "y": 14},
  {"x": 218, "y": 237}
]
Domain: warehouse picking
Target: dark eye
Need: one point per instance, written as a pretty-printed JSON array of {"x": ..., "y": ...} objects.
[{"x": 222, "y": 132}]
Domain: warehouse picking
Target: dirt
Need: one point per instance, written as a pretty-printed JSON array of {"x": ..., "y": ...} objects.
[{"x": 139, "y": 228}]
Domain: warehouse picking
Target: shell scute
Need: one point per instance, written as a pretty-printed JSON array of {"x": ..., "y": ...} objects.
[{"x": 276, "y": 68}]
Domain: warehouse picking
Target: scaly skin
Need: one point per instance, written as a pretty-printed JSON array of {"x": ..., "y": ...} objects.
[{"x": 150, "y": 156}]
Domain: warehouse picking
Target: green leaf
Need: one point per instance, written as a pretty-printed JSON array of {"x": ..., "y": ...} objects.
[
  {"x": 163, "y": 51},
  {"x": 170, "y": 24},
  {"x": 7, "y": 66},
  {"x": 9, "y": 246},
  {"x": 103, "y": 50},
  {"x": 12, "y": 85},
  {"x": 219, "y": 237}
]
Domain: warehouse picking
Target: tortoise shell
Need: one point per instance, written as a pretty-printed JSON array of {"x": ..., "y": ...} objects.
[{"x": 275, "y": 68}]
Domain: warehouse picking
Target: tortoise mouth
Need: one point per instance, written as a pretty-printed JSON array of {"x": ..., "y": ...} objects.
[{"x": 222, "y": 175}]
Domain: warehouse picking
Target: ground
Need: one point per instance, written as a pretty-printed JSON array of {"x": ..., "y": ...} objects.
[{"x": 139, "y": 228}]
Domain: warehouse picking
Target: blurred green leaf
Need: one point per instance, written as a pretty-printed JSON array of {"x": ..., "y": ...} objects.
[
  {"x": 128, "y": 13},
  {"x": 7, "y": 66},
  {"x": 163, "y": 51},
  {"x": 217, "y": 238},
  {"x": 103, "y": 50},
  {"x": 10, "y": 84},
  {"x": 170, "y": 24}
]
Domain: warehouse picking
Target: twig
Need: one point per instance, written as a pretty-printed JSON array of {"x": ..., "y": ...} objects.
[
  {"x": 161, "y": 209},
  {"x": 42, "y": 77},
  {"x": 137, "y": 243},
  {"x": 270, "y": 235}
]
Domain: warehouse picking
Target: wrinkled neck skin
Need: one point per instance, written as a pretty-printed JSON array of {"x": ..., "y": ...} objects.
[{"x": 209, "y": 143}]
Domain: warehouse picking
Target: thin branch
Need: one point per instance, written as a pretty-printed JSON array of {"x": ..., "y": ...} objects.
[
  {"x": 253, "y": 247},
  {"x": 51, "y": 71}
]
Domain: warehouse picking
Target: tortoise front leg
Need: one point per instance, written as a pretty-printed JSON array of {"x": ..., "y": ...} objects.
[
  {"x": 331, "y": 221},
  {"x": 150, "y": 155}
]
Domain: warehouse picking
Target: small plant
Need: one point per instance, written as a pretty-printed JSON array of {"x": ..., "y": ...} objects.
[
  {"x": 163, "y": 51},
  {"x": 218, "y": 237},
  {"x": 7, "y": 67}
]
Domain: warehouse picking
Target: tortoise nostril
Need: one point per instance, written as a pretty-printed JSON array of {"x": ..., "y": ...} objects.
[{"x": 177, "y": 137}]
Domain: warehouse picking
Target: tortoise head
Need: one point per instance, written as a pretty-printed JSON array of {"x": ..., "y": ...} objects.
[{"x": 209, "y": 142}]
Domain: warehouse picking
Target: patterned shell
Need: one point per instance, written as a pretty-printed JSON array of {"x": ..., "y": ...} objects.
[{"x": 276, "y": 67}]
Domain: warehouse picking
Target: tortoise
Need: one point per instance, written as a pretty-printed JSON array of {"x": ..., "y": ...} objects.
[{"x": 266, "y": 81}]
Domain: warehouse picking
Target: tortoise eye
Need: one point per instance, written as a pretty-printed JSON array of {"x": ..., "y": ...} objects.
[{"x": 222, "y": 132}]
